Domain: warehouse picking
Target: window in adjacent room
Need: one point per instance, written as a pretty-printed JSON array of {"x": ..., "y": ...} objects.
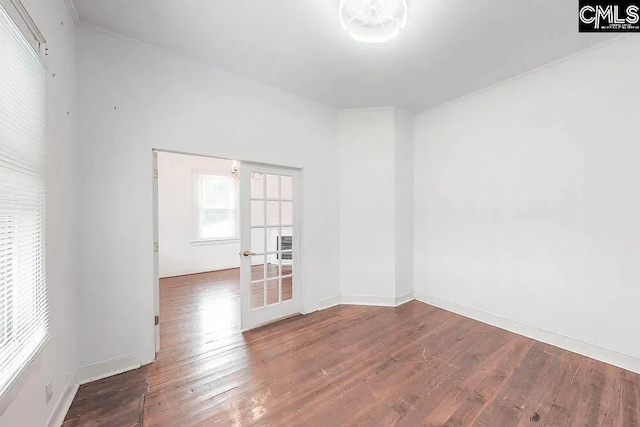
[
  {"x": 23, "y": 290},
  {"x": 216, "y": 207}
]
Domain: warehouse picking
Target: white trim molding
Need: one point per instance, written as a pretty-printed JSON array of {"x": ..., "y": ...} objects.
[
  {"x": 64, "y": 403},
  {"x": 72, "y": 10},
  {"x": 593, "y": 351},
  {"x": 111, "y": 367},
  {"x": 379, "y": 301},
  {"x": 403, "y": 299},
  {"x": 333, "y": 301},
  {"x": 375, "y": 301},
  {"x": 20, "y": 16}
]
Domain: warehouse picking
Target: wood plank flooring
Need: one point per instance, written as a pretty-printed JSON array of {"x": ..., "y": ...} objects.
[{"x": 411, "y": 365}]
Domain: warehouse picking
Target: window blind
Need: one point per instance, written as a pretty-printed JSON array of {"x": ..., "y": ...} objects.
[{"x": 23, "y": 299}]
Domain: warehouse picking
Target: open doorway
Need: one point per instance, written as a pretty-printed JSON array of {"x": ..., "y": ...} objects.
[
  {"x": 198, "y": 224},
  {"x": 227, "y": 247}
]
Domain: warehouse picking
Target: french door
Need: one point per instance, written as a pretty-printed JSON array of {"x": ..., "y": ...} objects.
[{"x": 270, "y": 244}]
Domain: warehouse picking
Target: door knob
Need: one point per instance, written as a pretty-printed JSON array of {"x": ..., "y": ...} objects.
[{"x": 247, "y": 253}]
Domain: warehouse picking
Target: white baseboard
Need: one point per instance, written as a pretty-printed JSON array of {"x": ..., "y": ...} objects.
[
  {"x": 403, "y": 299},
  {"x": 376, "y": 300},
  {"x": 89, "y": 374},
  {"x": 329, "y": 302},
  {"x": 368, "y": 300},
  {"x": 64, "y": 402},
  {"x": 593, "y": 351},
  {"x": 365, "y": 300},
  {"x": 111, "y": 367}
]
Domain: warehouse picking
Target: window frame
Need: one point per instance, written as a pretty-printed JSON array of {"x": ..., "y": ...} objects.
[
  {"x": 27, "y": 27},
  {"x": 196, "y": 185}
]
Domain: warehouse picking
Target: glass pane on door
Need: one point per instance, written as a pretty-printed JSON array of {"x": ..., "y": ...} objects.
[
  {"x": 257, "y": 295},
  {"x": 287, "y": 288},
  {"x": 273, "y": 237},
  {"x": 273, "y": 292},
  {"x": 273, "y": 213},
  {"x": 257, "y": 213},
  {"x": 273, "y": 267},
  {"x": 286, "y": 187},
  {"x": 257, "y": 186},
  {"x": 257, "y": 268},
  {"x": 286, "y": 213},
  {"x": 273, "y": 186},
  {"x": 287, "y": 264},
  {"x": 257, "y": 240}
]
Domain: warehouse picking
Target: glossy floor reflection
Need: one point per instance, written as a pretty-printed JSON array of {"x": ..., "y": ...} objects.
[
  {"x": 410, "y": 365},
  {"x": 199, "y": 333}
]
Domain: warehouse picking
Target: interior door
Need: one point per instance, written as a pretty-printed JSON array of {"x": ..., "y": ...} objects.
[{"x": 270, "y": 244}]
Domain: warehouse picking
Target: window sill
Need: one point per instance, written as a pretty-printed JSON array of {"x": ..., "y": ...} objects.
[{"x": 207, "y": 242}]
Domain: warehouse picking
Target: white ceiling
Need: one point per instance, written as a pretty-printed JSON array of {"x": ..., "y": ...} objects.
[{"x": 450, "y": 47}]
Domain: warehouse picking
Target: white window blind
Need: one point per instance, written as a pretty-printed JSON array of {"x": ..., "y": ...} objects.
[
  {"x": 23, "y": 299},
  {"x": 216, "y": 210}
]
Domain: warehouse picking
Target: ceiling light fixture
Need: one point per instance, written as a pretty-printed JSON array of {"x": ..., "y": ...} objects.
[{"x": 373, "y": 21}]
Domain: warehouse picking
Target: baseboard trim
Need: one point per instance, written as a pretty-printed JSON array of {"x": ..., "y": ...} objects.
[
  {"x": 365, "y": 300},
  {"x": 593, "y": 351},
  {"x": 111, "y": 367},
  {"x": 64, "y": 403},
  {"x": 368, "y": 300},
  {"x": 326, "y": 303},
  {"x": 403, "y": 299}
]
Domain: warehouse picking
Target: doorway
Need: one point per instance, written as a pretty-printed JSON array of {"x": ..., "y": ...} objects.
[{"x": 227, "y": 240}]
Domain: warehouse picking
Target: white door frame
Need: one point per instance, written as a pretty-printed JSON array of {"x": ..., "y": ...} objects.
[
  {"x": 156, "y": 256},
  {"x": 155, "y": 225}
]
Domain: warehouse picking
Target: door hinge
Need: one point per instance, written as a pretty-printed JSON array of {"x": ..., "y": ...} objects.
[
  {"x": 155, "y": 174},
  {"x": 156, "y": 320},
  {"x": 156, "y": 247}
]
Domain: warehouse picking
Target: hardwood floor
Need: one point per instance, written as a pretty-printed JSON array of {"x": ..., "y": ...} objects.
[{"x": 411, "y": 365}]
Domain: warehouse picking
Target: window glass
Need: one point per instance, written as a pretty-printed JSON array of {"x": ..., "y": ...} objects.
[{"x": 216, "y": 207}]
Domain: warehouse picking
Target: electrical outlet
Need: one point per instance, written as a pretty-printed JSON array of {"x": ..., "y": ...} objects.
[{"x": 49, "y": 392}]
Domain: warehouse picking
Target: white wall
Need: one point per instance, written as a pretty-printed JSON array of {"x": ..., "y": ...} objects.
[
  {"x": 375, "y": 206},
  {"x": 57, "y": 362},
  {"x": 135, "y": 98},
  {"x": 527, "y": 202},
  {"x": 367, "y": 208},
  {"x": 403, "y": 163},
  {"x": 180, "y": 253}
]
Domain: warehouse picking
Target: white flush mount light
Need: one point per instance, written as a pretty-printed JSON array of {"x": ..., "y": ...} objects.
[{"x": 373, "y": 21}]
